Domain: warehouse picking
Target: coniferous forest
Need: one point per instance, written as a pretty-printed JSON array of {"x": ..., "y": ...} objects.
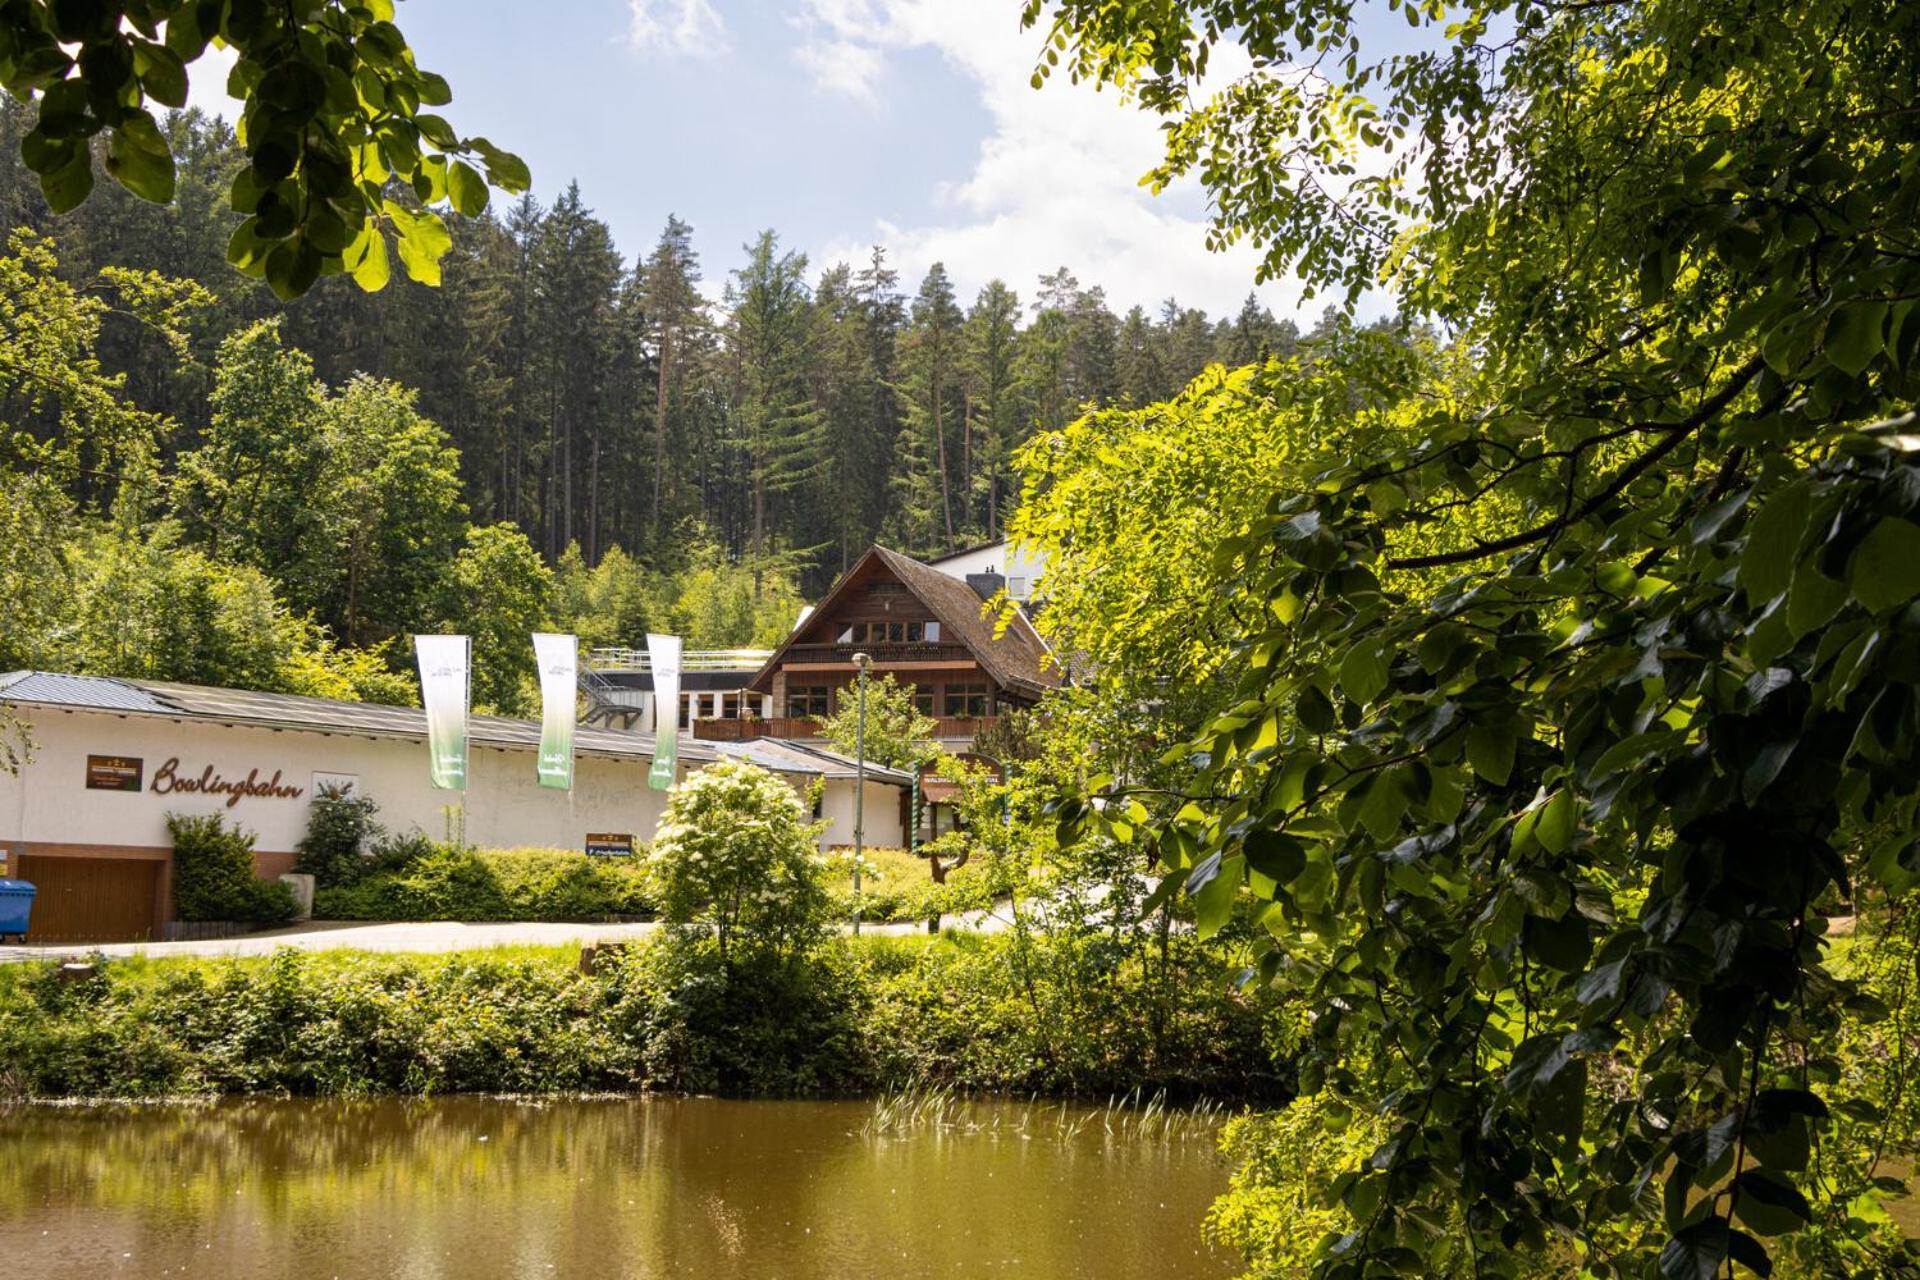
[{"x": 656, "y": 398}]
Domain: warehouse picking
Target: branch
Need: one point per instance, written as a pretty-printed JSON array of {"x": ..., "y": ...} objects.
[{"x": 1678, "y": 435}]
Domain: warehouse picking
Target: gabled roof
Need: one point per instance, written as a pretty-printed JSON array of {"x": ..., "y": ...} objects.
[
  {"x": 1017, "y": 658},
  {"x": 295, "y": 712},
  {"x": 966, "y": 551}
]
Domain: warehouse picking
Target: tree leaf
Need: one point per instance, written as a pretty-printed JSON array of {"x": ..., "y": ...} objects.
[
  {"x": 1769, "y": 1204},
  {"x": 1853, "y": 336},
  {"x": 1213, "y": 903},
  {"x": 1554, "y": 828},
  {"x": 466, "y": 188},
  {"x": 1884, "y": 570},
  {"x": 423, "y": 240},
  {"x": 1490, "y": 748},
  {"x": 1695, "y": 1252},
  {"x": 1773, "y": 544},
  {"x": 1276, "y": 854},
  {"x": 1363, "y": 672}
]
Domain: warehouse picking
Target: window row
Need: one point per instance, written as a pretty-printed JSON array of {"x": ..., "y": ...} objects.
[
  {"x": 953, "y": 701},
  {"x": 889, "y": 632}
]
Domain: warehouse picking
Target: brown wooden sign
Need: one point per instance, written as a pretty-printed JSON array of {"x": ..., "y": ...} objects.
[
  {"x": 937, "y": 788},
  {"x": 610, "y": 844},
  {"x": 167, "y": 780},
  {"x": 114, "y": 773}
]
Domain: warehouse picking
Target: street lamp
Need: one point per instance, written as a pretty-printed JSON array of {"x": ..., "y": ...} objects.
[{"x": 860, "y": 662}]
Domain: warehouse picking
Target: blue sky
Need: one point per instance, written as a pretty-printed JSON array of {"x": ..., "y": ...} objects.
[{"x": 839, "y": 123}]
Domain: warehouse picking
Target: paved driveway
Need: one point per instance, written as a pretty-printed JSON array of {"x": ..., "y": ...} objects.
[
  {"x": 424, "y": 936},
  {"x": 437, "y": 935}
]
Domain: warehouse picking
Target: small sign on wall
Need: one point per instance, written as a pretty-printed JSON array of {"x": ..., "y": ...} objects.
[
  {"x": 114, "y": 773},
  {"x": 345, "y": 784},
  {"x": 610, "y": 844}
]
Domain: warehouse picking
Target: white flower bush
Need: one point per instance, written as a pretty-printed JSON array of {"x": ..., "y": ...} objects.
[{"x": 736, "y": 856}]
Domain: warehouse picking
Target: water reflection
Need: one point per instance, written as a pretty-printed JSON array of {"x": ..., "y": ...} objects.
[{"x": 473, "y": 1189}]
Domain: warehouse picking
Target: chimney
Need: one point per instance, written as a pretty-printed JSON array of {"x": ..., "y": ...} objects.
[{"x": 986, "y": 585}]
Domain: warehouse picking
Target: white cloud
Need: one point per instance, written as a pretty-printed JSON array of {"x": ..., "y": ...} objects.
[
  {"x": 1056, "y": 180},
  {"x": 843, "y": 67},
  {"x": 686, "y": 27}
]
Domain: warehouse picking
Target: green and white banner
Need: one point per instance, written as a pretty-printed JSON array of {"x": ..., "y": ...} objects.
[
  {"x": 558, "y": 659},
  {"x": 445, "y": 662},
  {"x": 663, "y": 659}
]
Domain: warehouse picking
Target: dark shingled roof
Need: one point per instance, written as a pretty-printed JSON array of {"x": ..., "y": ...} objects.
[
  {"x": 1017, "y": 658},
  {"x": 317, "y": 715}
]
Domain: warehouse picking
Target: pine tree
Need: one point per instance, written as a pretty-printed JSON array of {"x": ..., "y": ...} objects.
[
  {"x": 670, "y": 302},
  {"x": 996, "y": 401},
  {"x": 781, "y": 429},
  {"x": 930, "y": 357}
]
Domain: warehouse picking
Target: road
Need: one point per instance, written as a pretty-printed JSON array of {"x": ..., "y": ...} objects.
[{"x": 420, "y": 937}]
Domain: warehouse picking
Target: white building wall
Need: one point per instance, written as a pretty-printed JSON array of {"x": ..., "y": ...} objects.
[
  {"x": 1019, "y": 567},
  {"x": 882, "y": 819},
  {"x": 49, "y": 803}
]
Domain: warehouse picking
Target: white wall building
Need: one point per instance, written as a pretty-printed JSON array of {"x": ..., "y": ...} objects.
[
  {"x": 1021, "y": 568},
  {"x": 85, "y": 818}
]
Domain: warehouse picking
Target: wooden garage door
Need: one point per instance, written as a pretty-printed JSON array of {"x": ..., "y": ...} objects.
[{"x": 90, "y": 899}]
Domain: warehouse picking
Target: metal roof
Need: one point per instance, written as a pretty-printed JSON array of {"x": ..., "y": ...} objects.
[
  {"x": 314, "y": 715},
  {"x": 78, "y": 691},
  {"x": 782, "y": 755}
]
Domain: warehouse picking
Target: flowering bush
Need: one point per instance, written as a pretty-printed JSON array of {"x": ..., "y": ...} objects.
[{"x": 736, "y": 857}]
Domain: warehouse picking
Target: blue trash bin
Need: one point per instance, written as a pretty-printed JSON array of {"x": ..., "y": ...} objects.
[{"x": 16, "y": 904}]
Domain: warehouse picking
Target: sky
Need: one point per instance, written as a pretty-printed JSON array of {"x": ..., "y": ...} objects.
[{"x": 839, "y": 124}]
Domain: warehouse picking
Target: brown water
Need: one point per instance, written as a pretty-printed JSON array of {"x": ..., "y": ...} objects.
[{"x": 479, "y": 1189}]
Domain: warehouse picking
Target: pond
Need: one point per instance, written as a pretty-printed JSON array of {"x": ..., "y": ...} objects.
[{"x": 482, "y": 1188}]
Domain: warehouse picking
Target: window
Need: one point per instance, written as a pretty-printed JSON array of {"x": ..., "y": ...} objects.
[
  {"x": 852, "y": 633},
  {"x": 965, "y": 700},
  {"x": 933, "y": 631},
  {"x": 806, "y": 700},
  {"x": 1018, "y": 589},
  {"x": 916, "y": 632},
  {"x": 923, "y": 700}
]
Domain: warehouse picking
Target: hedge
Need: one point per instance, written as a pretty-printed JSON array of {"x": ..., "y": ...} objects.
[
  {"x": 441, "y": 882},
  {"x": 970, "y": 1012}
]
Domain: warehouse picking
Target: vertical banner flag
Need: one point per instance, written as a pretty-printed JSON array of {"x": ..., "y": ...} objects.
[
  {"x": 557, "y": 657},
  {"x": 443, "y": 690},
  {"x": 663, "y": 656}
]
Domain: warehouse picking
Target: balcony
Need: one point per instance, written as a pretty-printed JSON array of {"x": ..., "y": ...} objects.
[
  {"x": 941, "y": 652},
  {"x": 621, "y": 658},
  {"x": 947, "y": 728}
]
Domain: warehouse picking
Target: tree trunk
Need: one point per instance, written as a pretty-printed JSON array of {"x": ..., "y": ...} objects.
[
  {"x": 660, "y": 426},
  {"x": 940, "y": 452}
]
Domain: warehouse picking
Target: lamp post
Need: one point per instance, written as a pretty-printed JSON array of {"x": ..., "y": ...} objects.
[{"x": 860, "y": 662}]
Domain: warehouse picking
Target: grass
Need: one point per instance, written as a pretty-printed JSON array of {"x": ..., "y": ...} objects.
[
  {"x": 1130, "y": 1116},
  {"x": 898, "y": 887}
]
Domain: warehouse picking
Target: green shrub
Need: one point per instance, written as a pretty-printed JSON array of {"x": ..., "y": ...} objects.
[
  {"x": 897, "y": 887},
  {"x": 213, "y": 873},
  {"x": 756, "y": 1024},
  {"x": 858, "y": 1015},
  {"x": 418, "y": 879},
  {"x": 340, "y": 829},
  {"x": 1278, "y": 1208},
  {"x": 565, "y": 884},
  {"x": 735, "y": 857}
]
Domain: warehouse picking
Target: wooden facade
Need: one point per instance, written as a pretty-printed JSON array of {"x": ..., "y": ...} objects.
[{"x": 923, "y": 628}]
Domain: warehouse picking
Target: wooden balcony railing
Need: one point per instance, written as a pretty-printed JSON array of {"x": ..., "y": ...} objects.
[
  {"x": 948, "y": 728},
  {"x": 882, "y": 653}
]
